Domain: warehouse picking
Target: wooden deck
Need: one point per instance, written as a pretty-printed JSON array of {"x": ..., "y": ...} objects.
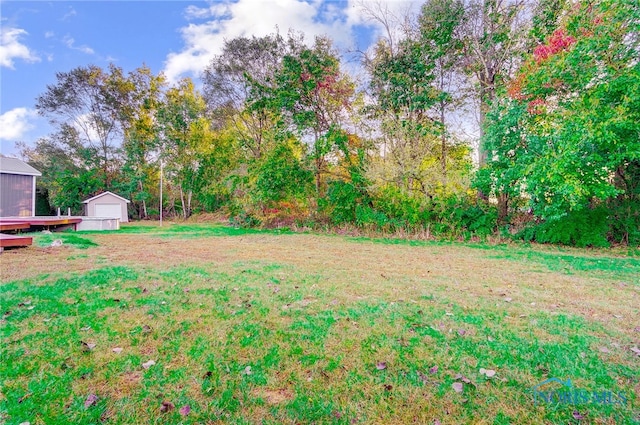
[
  {"x": 6, "y": 227},
  {"x": 41, "y": 221},
  {"x": 16, "y": 224},
  {"x": 7, "y": 241}
]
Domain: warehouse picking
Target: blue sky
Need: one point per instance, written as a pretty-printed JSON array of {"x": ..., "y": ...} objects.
[{"x": 178, "y": 38}]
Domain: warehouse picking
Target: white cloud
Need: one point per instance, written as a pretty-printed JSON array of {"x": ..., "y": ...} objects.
[
  {"x": 49, "y": 34},
  {"x": 11, "y": 48},
  {"x": 70, "y": 43},
  {"x": 70, "y": 14},
  {"x": 229, "y": 20},
  {"x": 15, "y": 123}
]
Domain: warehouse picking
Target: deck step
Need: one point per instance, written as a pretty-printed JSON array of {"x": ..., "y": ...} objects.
[{"x": 7, "y": 241}]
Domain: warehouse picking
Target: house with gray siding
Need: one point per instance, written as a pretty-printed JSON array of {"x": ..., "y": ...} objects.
[{"x": 17, "y": 188}]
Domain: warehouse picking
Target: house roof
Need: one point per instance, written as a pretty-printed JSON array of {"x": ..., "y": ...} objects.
[
  {"x": 105, "y": 193},
  {"x": 10, "y": 165}
]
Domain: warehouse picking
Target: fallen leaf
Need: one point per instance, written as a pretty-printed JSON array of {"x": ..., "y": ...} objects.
[
  {"x": 422, "y": 376},
  {"x": 635, "y": 350},
  {"x": 184, "y": 410},
  {"x": 433, "y": 370},
  {"x": 462, "y": 378},
  {"x": 146, "y": 329},
  {"x": 617, "y": 316},
  {"x": 148, "y": 364},
  {"x": 508, "y": 299},
  {"x": 117, "y": 350},
  {"x": 490, "y": 339},
  {"x": 381, "y": 365},
  {"x": 247, "y": 371},
  {"x": 461, "y": 332},
  {"x": 86, "y": 328},
  {"x": 25, "y": 423},
  {"x": 489, "y": 373},
  {"x": 388, "y": 387},
  {"x": 24, "y": 397},
  {"x": 604, "y": 350},
  {"x": 207, "y": 375},
  {"x": 577, "y": 415},
  {"x": 437, "y": 422},
  {"x": 87, "y": 346},
  {"x": 636, "y": 329},
  {"x": 457, "y": 387},
  {"x": 90, "y": 401},
  {"x": 167, "y": 406}
]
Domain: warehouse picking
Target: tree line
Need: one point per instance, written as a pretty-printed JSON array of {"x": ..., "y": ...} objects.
[{"x": 280, "y": 134}]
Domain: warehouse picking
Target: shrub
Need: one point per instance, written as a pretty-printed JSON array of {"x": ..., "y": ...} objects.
[
  {"x": 342, "y": 201},
  {"x": 583, "y": 228}
]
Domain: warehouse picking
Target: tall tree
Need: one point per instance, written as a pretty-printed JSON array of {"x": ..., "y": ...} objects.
[
  {"x": 185, "y": 133},
  {"x": 141, "y": 136},
  {"x": 493, "y": 34},
  {"x": 568, "y": 134},
  {"x": 414, "y": 88},
  {"x": 314, "y": 98},
  {"x": 87, "y": 101},
  {"x": 229, "y": 78},
  {"x": 440, "y": 22}
]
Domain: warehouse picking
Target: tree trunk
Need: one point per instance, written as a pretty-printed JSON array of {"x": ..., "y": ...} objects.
[
  {"x": 184, "y": 211},
  {"x": 503, "y": 208},
  {"x": 189, "y": 197},
  {"x": 487, "y": 93},
  {"x": 143, "y": 214},
  {"x": 444, "y": 144}
]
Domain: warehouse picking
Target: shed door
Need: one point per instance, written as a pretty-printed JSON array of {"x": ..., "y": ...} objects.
[{"x": 109, "y": 210}]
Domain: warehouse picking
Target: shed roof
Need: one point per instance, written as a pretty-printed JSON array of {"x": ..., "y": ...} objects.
[
  {"x": 105, "y": 193},
  {"x": 10, "y": 165}
]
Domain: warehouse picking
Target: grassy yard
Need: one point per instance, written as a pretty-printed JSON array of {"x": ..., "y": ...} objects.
[{"x": 204, "y": 324}]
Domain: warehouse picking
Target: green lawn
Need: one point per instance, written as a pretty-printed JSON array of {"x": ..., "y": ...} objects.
[{"x": 248, "y": 327}]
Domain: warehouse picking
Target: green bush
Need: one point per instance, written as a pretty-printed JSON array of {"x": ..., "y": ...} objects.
[
  {"x": 281, "y": 177},
  {"x": 244, "y": 219},
  {"x": 410, "y": 211},
  {"x": 372, "y": 219},
  {"x": 341, "y": 202},
  {"x": 463, "y": 215},
  {"x": 583, "y": 228}
]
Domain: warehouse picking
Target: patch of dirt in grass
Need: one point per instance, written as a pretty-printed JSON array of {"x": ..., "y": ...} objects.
[
  {"x": 125, "y": 385},
  {"x": 274, "y": 396}
]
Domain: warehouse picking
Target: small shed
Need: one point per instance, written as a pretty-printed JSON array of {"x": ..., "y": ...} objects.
[
  {"x": 17, "y": 188},
  {"x": 107, "y": 204}
]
